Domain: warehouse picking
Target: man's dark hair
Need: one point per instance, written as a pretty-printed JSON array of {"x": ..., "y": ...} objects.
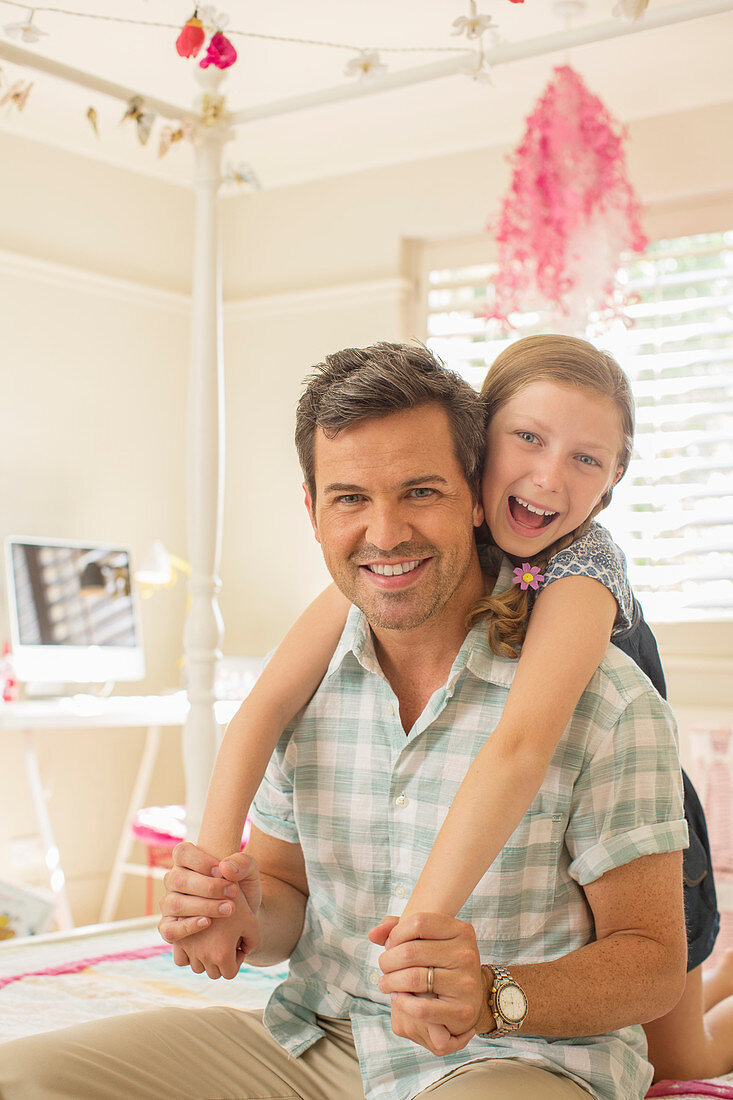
[{"x": 369, "y": 383}]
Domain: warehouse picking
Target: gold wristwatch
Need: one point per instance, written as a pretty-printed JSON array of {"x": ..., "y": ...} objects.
[{"x": 506, "y": 1000}]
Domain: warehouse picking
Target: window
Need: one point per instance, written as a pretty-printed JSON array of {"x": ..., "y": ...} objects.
[{"x": 673, "y": 512}]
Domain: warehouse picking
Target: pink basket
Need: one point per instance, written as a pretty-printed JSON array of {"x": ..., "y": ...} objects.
[
  {"x": 160, "y": 829},
  {"x": 165, "y": 826},
  {"x": 162, "y": 826}
]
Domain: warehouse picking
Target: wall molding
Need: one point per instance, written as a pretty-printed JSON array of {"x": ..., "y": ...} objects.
[
  {"x": 68, "y": 277},
  {"x": 393, "y": 289}
]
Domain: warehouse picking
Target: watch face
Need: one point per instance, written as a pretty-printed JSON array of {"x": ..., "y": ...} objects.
[{"x": 512, "y": 1003}]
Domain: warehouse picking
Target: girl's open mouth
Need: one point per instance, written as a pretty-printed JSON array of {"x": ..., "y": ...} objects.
[{"x": 529, "y": 515}]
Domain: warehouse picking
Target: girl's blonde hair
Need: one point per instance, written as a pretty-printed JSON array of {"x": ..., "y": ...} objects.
[{"x": 575, "y": 364}]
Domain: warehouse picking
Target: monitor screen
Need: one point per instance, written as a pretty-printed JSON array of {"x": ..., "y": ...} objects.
[{"x": 73, "y": 611}]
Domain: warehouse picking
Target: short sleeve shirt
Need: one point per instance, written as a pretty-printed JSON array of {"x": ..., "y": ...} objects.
[
  {"x": 596, "y": 555},
  {"x": 365, "y": 801}
]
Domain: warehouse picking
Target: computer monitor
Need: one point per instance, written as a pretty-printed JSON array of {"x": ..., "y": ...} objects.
[{"x": 74, "y": 615}]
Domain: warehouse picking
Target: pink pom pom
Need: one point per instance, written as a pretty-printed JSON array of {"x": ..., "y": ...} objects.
[{"x": 570, "y": 211}]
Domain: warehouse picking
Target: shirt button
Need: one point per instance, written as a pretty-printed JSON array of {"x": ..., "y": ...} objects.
[
  {"x": 374, "y": 978},
  {"x": 399, "y": 891},
  {"x": 390, "y": 708},
  {"x": 402, "y": 800}
]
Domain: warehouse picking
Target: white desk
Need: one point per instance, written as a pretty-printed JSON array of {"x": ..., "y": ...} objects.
[{"x": 91, "y": 712}]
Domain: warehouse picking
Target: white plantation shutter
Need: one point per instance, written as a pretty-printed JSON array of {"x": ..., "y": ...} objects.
[{"x": 673, "y": 512}]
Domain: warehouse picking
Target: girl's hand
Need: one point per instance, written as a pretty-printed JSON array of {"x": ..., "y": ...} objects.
[
  {"x": 221, "y": 949},
  {"x": 442, "y": 1021},
  {"x": 242, "y": 870},
  {"x": 201, "y": 892}
]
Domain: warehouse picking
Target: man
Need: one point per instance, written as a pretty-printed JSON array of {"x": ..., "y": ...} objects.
[{"x": 391, "y": 448}]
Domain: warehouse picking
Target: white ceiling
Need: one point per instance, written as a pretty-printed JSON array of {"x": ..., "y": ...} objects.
[{"x": 653, "y": 71}]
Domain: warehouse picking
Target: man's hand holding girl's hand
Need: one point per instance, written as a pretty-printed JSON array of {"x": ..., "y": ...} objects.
[
  {"x": 210, "y": 910},
  {"x": 444, "y": 1021}
]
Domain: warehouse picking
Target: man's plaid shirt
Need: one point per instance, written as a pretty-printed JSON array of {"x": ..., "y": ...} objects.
[{"x": 365, "y": 802}]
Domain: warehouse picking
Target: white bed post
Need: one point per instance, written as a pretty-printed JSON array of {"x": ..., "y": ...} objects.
[{"x": 203, "y": 631}]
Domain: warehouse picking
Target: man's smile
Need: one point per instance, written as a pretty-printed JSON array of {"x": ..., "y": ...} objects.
[
  {"x": 392, "y": 576},
  {"x": 387, "y": 570}
]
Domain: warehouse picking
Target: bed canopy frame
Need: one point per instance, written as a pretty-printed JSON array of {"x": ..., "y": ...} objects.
[{"x": 203, "y": 629}]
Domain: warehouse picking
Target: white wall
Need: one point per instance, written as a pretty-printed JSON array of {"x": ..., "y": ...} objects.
[
  {"x": 92, "y": 419},
  {"x": 94, "y": 373},
  {"x": 94, "y": 360},
  {"x": 62, "y": 207}
]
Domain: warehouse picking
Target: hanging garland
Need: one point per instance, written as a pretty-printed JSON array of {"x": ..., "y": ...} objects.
[
  {"x": 16, "y": 93},
  {"x": 570, "y": 211},
  {"x": 29, "y": 32},
  {"x": 221, "y": 53},
  {"x": 191, "y": 38}
]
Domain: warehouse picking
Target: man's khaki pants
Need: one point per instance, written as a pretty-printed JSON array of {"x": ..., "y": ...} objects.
[{"x": 225, "y": 1054}]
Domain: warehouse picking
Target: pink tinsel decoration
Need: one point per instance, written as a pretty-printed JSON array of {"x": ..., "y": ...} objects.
[{"x": 570, "y": 211}]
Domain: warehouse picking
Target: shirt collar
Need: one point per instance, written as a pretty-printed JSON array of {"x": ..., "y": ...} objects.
[
  {"x": 475, "y": 655},
  {"x": 356, "y": 641}
]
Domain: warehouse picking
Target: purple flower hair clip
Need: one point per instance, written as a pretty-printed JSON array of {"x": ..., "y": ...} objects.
[{"x": 527, "y": 576}]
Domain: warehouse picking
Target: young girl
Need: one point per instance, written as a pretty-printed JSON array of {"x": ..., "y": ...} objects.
[{"x": 561, "y": 423}]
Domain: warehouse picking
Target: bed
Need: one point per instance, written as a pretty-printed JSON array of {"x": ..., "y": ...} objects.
[{"x": 65, "y": 978}]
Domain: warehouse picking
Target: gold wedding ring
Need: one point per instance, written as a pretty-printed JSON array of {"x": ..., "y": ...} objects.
[{"x": 431, "y": 976}]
